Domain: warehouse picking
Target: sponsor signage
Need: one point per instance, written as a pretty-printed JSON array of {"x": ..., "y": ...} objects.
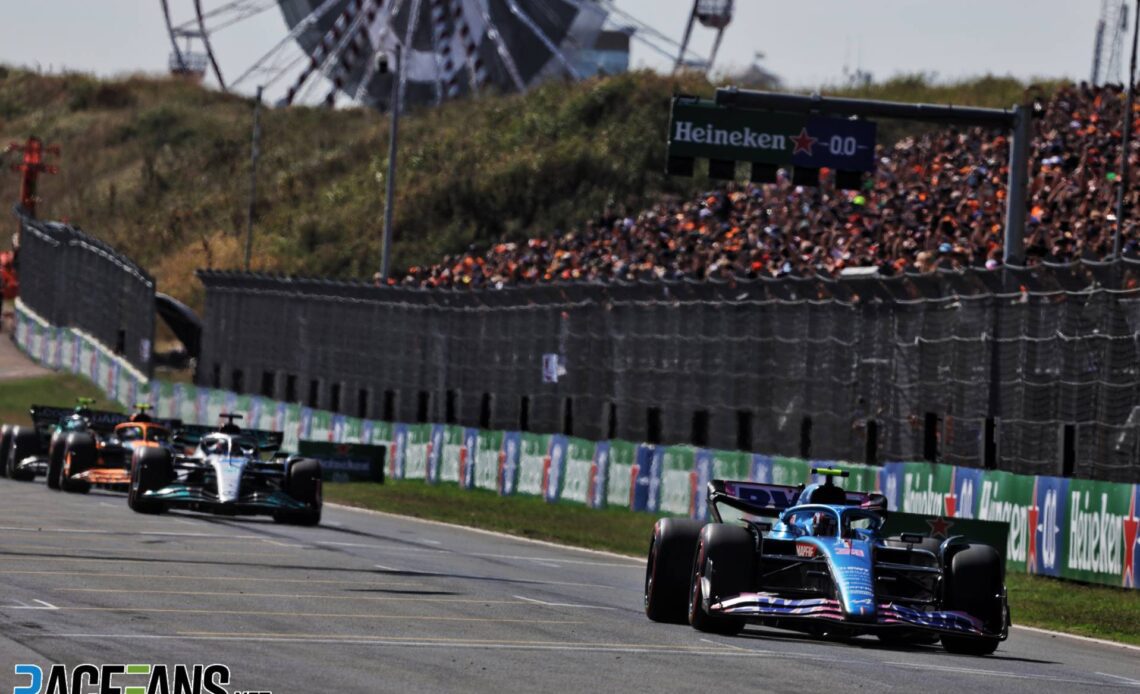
[
  {"x": 993, "y": 533},
  {"x": 702, "y": 129},
  {"x": 345, "y": 462}
]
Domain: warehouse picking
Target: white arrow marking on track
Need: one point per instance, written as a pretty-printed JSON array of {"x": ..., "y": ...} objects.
[{"x": 42, "y": 606}]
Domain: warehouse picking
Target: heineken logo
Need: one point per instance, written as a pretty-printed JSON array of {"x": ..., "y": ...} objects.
[
  {"x": 993, "y": 508},
  {"x": 1094, "y": 535},
  {"x": 706, "y": 134}
]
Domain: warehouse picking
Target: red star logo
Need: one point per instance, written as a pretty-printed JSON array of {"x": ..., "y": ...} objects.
[
  {"x": 939, "y": 527},
  {"x": 1131, "y": 539},
  {"x": 803, "y": 142},
  {"x": 1031, "y": 560}
]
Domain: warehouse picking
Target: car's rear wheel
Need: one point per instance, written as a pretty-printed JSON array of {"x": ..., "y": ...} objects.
[
  {"x": 25, "y": 442},
  {"x": 302, "y": 481},
  {"x": 975, "y": 586},
  {"x": 667, "y": 569},
  {"x": 5, "y": 443},
  {"x": 151, "y": 470},
  {"x": 78, "y": 456},
  {"x": 724, "y": 556}
]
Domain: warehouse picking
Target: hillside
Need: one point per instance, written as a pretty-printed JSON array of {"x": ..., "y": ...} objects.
[{"x": 160, "y": 167}]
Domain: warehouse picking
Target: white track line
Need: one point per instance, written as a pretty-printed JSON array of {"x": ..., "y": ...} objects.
[
  {"x": 562, "y": 604},
  {"x": 1089, "y": 639}
]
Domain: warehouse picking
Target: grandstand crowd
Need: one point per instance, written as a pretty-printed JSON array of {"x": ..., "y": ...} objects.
[{"x": 936, "y": 200}]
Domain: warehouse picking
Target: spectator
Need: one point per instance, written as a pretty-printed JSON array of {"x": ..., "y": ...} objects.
[{"x": 935, "y": 201}]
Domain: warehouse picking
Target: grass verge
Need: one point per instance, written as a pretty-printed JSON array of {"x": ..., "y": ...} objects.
[
  {"x": 17, "y": 396},
  {"x": 1088, "y": 610}
]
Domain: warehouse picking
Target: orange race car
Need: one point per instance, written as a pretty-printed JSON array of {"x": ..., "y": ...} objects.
[{"x": 89, "y": 457}]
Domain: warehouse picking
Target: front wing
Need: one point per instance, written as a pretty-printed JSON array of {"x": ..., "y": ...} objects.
[
  {"x": 888, "y": 615},
  {"x": 199, "y": 499}
]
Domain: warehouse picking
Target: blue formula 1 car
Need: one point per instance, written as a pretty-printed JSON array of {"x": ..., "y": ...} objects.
[{"x": 815, "y": 560}]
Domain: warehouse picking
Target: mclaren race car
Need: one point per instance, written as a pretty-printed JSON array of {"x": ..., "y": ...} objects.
[
  {"x": 93, "y": 456},
  {"x": 225, "y": 472},
  {"x": 814, "y": 560},
  {"x": 85, "y": 436}
]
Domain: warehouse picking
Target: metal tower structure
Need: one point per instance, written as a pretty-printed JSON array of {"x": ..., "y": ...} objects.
[{"x": 714, "y": 14}]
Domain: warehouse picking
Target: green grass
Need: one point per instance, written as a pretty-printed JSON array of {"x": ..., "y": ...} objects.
[
  {"x": 616, "y": 530},
  {"x": 1089, "y": 610},
  {"x": 56, "y": 389}
]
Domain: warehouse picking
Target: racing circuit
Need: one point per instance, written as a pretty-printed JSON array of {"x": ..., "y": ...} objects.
[{"x": 371, "y": 602}]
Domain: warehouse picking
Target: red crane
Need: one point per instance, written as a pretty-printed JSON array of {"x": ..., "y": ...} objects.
[{"x": 31, "y": 167}]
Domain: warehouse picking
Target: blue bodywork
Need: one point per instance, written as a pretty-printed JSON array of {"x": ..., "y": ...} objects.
[{"x": 827, "y": 564}]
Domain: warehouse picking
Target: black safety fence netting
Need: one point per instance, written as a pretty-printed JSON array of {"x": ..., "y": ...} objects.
[
  {"x": 1030, "y": 370},
  {"x": 73, "y": 280}
]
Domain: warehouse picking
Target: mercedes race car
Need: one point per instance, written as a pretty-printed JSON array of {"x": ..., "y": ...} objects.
[
  {"x": 225, "y": 472},
  {"x": 814, "y": 560}
]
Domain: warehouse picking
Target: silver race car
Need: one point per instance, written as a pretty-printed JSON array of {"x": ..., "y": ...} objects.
[{"x": 228, "y": 471}]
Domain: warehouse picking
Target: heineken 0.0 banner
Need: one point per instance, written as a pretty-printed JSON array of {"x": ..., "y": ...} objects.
[
  {"x": 702, "y": 129},
  {"x": 621, "y": 473},
  {"x": 579, "y": 471}
]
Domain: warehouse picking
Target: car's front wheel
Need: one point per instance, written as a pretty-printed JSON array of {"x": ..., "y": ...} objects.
[
  {"x": 722, "y": 566},
  {"x": 976, "y": 587},
  {"x": 302, "y": 481},
  {"x": 151, "y": 470},
  {"x": 667, "y": 569}
]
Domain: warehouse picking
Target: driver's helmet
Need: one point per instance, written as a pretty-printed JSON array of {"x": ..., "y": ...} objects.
[
  {"x": 76, "y": 422},
  {"x": 215, "y": 446},
  {"x": 130, "y": 433},
  {"x": 824, "y": 525}
]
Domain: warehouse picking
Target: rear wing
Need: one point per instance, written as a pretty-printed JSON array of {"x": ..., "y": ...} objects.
[
  {"x": 190, "y": 435},
  {"x": 44, "y": 417},
  {"x": 753, "y": 497}
]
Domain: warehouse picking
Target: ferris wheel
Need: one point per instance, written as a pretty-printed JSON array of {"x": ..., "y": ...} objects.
[{"x": 325, "y": 50}]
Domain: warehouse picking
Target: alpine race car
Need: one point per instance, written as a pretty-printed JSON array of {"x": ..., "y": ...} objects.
[
  {"x": 89, "y": 455},
  {"x": 814, "y": 560},
  {"x": 225, "y": 473}
]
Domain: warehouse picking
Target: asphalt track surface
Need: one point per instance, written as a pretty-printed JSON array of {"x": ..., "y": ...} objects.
[{"x": 376, "y": 603}]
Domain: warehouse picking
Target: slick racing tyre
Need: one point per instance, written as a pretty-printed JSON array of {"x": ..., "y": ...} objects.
[
  {"x": 976, "y": 586},
  {"x": 725, "y": 556},
  {"x": 302, "y": 481},
  {"x": 151, "y": 469},
  {"x": 5, "y": 443},
  {"x": 25, "y": 442},
  {"x": 55, "y": 460},
  {"x": 667, "y": 569},
  {"x": 78, "y": 457}
]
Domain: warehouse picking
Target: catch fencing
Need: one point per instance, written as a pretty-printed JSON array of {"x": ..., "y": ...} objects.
[
  {"x": 1026, "y": 370},
  {"x": 74, "y": 280},
  {"x": 1071, "y": 528}
]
